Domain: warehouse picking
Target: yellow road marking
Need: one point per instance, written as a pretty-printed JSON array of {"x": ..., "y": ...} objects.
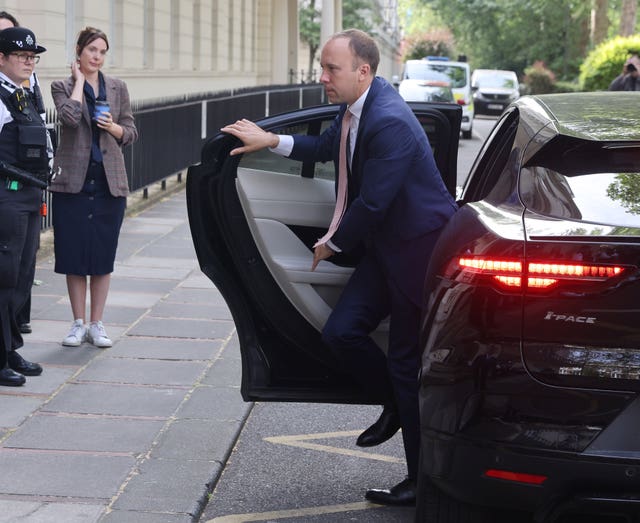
[
  {"x": 303, "y": 441},
  {"x": 283, "y": 514}
]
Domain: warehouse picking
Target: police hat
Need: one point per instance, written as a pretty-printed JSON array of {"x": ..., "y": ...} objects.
[{"x": 19, "y": 39}]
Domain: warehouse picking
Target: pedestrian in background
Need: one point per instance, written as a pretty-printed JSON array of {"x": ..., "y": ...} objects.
[
  {"x": 24, "y": 168},
  {"x": 91, "y": 186},
  {"x": 32, "y": 86},
  {"x": 396, "y": 204},
  {"x": 628, "y": 79}
]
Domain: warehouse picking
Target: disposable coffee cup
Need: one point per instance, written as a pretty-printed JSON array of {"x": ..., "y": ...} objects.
[{"x": 101, "y": 108}]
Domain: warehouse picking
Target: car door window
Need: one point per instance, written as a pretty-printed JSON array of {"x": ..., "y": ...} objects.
[
  {"x": 265, "y": 160},
  {"x": 491, "y": 163}
]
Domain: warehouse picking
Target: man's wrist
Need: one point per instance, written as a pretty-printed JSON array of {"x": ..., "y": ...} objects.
[{"x": 275, "y": 141}]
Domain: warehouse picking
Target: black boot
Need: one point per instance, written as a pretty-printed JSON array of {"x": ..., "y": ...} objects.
[
  {"x": 404, "y": 493},
  {"x": 10, "y": 378},
  {"x": 19, "y": 364},
  {"x": 387, "y": 425}
]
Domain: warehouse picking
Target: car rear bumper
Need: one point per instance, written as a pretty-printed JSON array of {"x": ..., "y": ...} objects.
[
  {"x": 489, "y": 108},
  {"x": 574, "y": 484}
]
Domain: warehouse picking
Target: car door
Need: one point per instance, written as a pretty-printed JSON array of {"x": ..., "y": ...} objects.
[{"x": 254, "y": 219}]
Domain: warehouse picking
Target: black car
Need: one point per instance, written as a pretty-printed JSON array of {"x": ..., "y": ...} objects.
[
  {"x": 254, "y": 220},
  {"x": 530, "y": 377},
  {"x": 531, "y": 372}
]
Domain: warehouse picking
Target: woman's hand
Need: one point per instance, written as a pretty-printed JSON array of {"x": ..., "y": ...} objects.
[
  {"x": 76, "y": 73},
  {"x": 106, "y": 123}
]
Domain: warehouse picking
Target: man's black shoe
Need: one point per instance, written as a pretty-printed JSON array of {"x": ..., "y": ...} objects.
[
  {"x": 404, "y": 493},
  {"x": 25, "y": 328},
  {"x": 19, "y": 364},
  {"x": 10, "y": 378},
  {"x": 387, "y": 425}
]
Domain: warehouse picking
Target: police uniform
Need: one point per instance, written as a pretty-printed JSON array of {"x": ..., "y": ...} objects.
[{"x": 24, "y": 165}]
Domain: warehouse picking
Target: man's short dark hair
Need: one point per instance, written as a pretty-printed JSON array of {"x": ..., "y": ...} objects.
[{"x": 363, "y": 46}]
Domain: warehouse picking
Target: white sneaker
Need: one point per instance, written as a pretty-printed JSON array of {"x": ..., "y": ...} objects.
[
  {"x": 98, "y": 336},
  {"x": 76, "y": 335}
]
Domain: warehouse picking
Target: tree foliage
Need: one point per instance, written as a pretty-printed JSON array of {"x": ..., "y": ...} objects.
[
  {"x": 605, "y": 62},
  {"x": 512, "y": 34},
  {"x": 626, "y": 189},
  {"x": 438, "y": 42},
  {"x": 358, "y": 14},
  {"x": 309, "y": 27}
]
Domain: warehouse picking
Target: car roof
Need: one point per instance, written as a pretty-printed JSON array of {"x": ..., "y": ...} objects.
[{"x": 602, "y": 115}]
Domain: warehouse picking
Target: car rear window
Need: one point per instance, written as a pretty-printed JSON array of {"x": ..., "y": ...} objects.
[
  {"x": 456, "y": 75},
  {"x": 497, "y": 80},
  {"x": 591, "y": 182}
]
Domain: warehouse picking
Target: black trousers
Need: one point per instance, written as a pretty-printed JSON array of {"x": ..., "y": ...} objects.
[
  {"x": 19, "y": 238},
  {"x": 368, "y": 298}
]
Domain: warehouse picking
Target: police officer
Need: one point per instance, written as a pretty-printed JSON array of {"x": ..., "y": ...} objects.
[{"x": 24, "y": 162}]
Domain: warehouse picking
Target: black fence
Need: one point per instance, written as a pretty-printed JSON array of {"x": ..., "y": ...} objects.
[{"x": 172, "y": 131}]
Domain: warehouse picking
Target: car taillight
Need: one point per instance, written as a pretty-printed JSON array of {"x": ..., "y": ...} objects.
[
  {"x": 518, "y": 477},
  {"x": 538, "y": 274},
  {"x": 461, "y": 101}
]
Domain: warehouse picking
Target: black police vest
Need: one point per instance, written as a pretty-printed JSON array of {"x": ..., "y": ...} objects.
[{"x": 23, "y": 141}]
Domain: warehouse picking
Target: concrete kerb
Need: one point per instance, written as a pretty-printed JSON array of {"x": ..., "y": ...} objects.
[{"x": 136, "y": 203}]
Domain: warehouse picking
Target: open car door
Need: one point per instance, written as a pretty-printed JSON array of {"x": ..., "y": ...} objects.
[{"x": 254, "y": 219}]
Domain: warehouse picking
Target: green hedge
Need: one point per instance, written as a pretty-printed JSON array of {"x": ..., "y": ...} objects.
[{"x": 605, "y": 62}]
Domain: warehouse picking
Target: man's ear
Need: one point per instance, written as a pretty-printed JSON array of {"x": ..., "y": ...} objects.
[{"x": 364, "y": 69}]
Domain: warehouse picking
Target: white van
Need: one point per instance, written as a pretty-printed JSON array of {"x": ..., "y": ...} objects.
[{"x": 439, "y": 68}]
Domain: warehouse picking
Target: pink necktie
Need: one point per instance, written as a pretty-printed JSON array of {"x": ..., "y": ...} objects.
[{"x": 341, "y": 198}]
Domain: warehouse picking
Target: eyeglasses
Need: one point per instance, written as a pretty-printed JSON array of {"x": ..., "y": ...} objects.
[{"x": 24, "y": 58}]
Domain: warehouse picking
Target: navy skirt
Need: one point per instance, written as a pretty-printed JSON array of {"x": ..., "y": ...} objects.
[{"x": 86, "y": 226}]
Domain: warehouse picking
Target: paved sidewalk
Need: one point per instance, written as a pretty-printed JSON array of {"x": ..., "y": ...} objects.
[{"x": 138, "y": 432}]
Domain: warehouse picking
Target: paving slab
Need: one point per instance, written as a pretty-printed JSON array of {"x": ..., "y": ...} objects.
[
  {"x": 84, "y": 433},
  {"x": 134, "y": 346},
  {"x": 123, "y": 400},
  {"x": 58, "y": 473},
  {"x": 146, "y": 491},
  {"x": 182, "y": 328},
  {"x": 34, "y": 512},
  {"x": 143, "y": 371}
]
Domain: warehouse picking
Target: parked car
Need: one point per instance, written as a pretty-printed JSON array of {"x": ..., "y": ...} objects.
[
  {"x": 530, "y": 376},
  {"x": 493, "y": 90},
  {"x": 530, "y": 380},
  {"x": 439, "y": 68}
]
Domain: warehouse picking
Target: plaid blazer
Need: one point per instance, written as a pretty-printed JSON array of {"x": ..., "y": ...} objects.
[{"x": 74, "y": 149}]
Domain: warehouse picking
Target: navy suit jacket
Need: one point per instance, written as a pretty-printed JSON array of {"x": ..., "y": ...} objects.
[{"x": 396, "y": 193}]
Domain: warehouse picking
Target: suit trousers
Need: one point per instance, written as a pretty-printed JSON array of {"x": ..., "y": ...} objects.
[{"x": 368, "y": 298}]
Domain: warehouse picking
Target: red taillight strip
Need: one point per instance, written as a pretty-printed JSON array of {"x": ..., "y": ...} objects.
[
  {"x": 519, "y": 477},
  {"x": 575, "y": 270},
  {"x": 541, "y": 275},
  {"x": 488, "y": 265}
]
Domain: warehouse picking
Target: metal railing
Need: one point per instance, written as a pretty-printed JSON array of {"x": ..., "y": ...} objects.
[{"x": 172, "y": 131}]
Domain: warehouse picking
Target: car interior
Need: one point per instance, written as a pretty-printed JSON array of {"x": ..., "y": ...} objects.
[{"x": 279, "y": 202}]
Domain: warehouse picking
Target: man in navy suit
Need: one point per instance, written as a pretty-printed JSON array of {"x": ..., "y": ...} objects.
[{"x": 397, "y": 205}]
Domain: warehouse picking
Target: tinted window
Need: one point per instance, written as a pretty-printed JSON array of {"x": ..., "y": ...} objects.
[
  {"x": 584, "y": 180},
  {"x": 498, "y": 81},
  {"x": 611, "y": 198},
  {"x": 265, "y": 160}
]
